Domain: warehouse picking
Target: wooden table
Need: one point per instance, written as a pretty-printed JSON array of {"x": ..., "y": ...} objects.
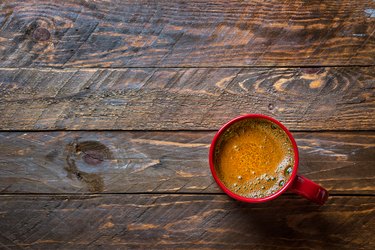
[{"x": 108, "y": 108}]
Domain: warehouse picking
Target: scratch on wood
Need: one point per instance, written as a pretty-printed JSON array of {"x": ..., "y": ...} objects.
[
  {"x": 145, "y": 166},
  {"x": 107, "y": 225},
  {"x": 133, "y": 226},
  {"x": 82, "y": 43},
  {"x": 170, "y": 143}
]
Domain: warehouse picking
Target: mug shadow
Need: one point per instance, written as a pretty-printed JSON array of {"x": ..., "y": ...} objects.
[{"x": 288, "y": 220}]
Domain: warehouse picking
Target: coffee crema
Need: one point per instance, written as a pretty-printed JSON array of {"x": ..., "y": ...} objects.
[{"x": 254, "y": 158}]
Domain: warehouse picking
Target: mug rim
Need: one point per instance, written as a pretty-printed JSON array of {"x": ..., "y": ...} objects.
[{"x": 239, "y": 197}]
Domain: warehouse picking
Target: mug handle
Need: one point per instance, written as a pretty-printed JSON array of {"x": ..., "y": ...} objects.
[{"x": 309, "y": 189}]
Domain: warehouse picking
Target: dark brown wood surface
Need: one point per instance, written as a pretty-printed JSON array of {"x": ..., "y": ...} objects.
[
  {"x": 107, "y": 110},
  {"x": 184, "y": 221},
  {"x": 141, "y": 162},
  {"x": 204, "y": 98},
  {"x": 186, "y": 33}
]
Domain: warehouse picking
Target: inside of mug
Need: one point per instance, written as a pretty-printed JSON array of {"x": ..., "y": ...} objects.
[{"x": 254, "y": 158}]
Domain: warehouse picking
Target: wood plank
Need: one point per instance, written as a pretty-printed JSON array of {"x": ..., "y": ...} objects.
[
  {"x": 142, "y": 162},
  {"x": 172, "y": 99},
  {"x": 186, "y": 33},
  {"x": 180, "y": 221}
]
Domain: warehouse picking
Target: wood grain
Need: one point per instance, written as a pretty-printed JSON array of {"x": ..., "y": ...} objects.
[
  {"x": 186, "y": 33},
  {"x": 173, "y": 99},
  {"x": 164, "y": 162},
  {"x": 193, "y": 221},
  {"x": 184, "y": 68}
]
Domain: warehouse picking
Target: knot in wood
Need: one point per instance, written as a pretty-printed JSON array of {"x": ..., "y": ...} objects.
[
  {"x": 41, "y": 34},
  {"x": 93, "y": 153}
]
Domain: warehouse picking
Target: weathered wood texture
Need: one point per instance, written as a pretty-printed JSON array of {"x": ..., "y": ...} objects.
[
  {"x": 150, "y": 98},
  {"x": 187, "y": 221},
  {"x": 132, "y": 162},
  {"x": 186, "y": 33}
]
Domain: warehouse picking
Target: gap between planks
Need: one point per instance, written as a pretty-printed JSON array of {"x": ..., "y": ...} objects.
[
  {"x": 288, "y": 194},
  {"x": 174, "y": 131},
  {"x": 191, "y": 67}
]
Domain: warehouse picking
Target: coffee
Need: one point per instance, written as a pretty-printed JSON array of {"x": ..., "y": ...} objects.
[{"x": 254, "y": 158}]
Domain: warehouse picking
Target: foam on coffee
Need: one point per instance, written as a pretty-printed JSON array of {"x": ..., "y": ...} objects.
[{"x": 254, "y": 158}]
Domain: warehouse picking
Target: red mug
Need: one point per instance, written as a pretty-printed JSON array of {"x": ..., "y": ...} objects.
[{"x": 296, "y": 183}]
